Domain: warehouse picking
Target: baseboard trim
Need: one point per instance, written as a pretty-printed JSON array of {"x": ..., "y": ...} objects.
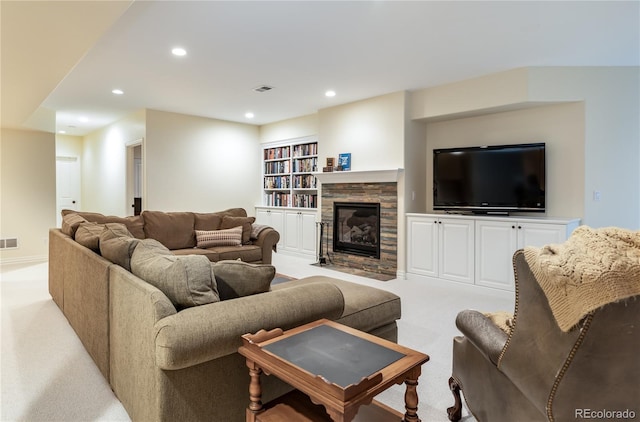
[
  {"x": 36, "y": 259},
  {"x": 434, "y": 281}
]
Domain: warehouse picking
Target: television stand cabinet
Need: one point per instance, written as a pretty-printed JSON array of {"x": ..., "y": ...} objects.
[{"x": 476, "y": 250}]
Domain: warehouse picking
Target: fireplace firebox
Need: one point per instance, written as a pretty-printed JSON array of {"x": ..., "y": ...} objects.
[{"x": 356, "y": 228}]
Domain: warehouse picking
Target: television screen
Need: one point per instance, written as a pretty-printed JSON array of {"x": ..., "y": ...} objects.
[{"x": 490, "y": 179}]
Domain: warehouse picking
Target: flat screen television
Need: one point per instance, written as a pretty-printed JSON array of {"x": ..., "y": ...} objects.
[{"x": 490, "y": 179}]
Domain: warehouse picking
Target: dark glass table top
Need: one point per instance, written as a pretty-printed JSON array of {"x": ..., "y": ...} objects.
[{"x": 339, "y": 357}]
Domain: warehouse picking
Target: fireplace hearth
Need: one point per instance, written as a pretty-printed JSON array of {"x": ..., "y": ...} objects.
[{"x": 356, "y": 228}]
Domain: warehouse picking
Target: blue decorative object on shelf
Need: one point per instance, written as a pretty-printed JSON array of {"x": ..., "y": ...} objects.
[{"x": 344, "y": 161}]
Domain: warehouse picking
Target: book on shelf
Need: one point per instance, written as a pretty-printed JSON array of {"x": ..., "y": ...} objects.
[
  {"x": 305, "y": 149},
  {"x": 276, "y": 153},
  {"x": 344, "y": 161}
]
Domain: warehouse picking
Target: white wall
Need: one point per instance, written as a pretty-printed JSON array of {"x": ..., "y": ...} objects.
[
  {"x": 69, "y": 146},
  {"x": 371, "y": 130},
  {"x": 104, "y": 165},
  {"x": 200, "y": 164},
  {"x": 290, "y": 129},
  {"x": 612, "y": 136},
  {"x": 415, "y": 162},
  {"x": 481, "y": 94},
  {"x": 27, "y": 193},
  {"x": 560, "y": 126}
]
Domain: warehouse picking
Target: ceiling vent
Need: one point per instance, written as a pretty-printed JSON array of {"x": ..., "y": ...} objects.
[{"x": 263, "y": 88}]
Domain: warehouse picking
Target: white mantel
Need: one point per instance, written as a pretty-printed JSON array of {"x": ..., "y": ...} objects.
[{"x": 366, "y": 176}]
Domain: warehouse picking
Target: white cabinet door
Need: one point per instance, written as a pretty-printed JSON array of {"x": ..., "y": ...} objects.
[
  {"x": 300, "y": 232},
  {"x": 540, "y": 234},
  {"x": 422, "y": 246},
  {"x": 456, "y": 248},
  {"x": 263, "y": 216},
  {"x": 496, "y": 241},
  {"x": 308, "y": 239},
  {"x": 291, "y": 235},
  {"x": 476, "y": 250},
  {"x": 273, "y": 218}
]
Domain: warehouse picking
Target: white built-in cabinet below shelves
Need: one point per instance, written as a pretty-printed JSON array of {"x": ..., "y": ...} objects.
[
  {"x": 476, "y": 249},
  {"x": 297, "y": 228}
]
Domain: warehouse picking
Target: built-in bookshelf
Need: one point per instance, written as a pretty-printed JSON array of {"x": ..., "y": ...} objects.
[{"x": 288, "y": 179}]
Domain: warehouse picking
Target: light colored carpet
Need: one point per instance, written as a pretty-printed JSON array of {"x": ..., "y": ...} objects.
[{"x": 46, "y": 375}]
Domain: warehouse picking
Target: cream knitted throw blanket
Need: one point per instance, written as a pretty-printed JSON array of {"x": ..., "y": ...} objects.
[{"x": 592, "y": 268}]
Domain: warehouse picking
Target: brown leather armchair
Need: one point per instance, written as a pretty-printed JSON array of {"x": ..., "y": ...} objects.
[{"x": 537, "y": 372}]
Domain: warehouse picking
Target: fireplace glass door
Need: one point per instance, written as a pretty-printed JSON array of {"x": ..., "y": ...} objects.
[{"x": 356, "y": 228}]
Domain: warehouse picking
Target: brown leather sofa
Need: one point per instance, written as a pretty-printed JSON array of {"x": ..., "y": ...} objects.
[{"x": 537, "y": 372}]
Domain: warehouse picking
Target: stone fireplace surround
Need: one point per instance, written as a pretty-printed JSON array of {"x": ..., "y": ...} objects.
[{"x": 374, "y": 187}]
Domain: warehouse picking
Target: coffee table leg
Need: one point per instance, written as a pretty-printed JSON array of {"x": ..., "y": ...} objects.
[
  {"x": 411, "y": 396},
  {"x": 255, "y": 391}
]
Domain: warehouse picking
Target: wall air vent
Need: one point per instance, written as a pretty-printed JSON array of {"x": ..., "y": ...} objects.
[
  {"x": 11, "y": 243},
  {"x": 263, "y": 88}
]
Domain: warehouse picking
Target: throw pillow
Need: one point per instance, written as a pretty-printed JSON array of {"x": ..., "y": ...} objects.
[
  {"x": 186, "y": 280},
  {"x": 230, "y": 237},
  {"x": 71, "y": 222},
  {"x": 117, "y": 244},
  {"x": 88, "y": 235},
  {"x": 245, "y": 222},
  {"x": 113, "y": 230},
  {"x": 237, "y": 279}
]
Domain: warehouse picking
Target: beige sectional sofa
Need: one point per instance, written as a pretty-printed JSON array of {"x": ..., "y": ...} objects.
[
  {"x": 167, "y": 360},
  {"x": 178, "y": 232}
]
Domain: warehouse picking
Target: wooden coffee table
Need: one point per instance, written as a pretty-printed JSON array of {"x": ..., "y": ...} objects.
[{"x": 336, "y": 370}]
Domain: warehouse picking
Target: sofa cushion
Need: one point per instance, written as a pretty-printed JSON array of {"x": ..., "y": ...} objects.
[
  {"x": 237, "y": 279},
  {"x": 365, "y": 308},
  {"x": 88, "y": 235},
  {"x": 233, "y": 212},
  {"x": 247, "y": 253},
  {"x": 173, "y": 229},
  {"x": 71, "y": 222},
  {"x": 186, "y": 280},
  {"x": 117, "y": 244},
  {"x": 228, "y": 237},
  {"x": 244, "y": 222},
  {"x": 134, "y": 223},
  {"x": 207, "y": 221}
]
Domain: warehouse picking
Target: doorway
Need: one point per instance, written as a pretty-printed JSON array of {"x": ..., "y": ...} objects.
[
  {"x": 67, "y": 185},
  {"x": 135, "y": 177}
]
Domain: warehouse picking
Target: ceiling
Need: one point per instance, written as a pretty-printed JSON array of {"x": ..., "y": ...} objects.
[{"x": 62, "y": 59}]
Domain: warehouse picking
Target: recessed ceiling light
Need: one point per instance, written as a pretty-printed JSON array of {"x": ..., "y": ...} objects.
[
  {"x": 83, "y": 119},
  {"x": 249, "y": 115},
  {"x": 179, "y": 51},
  {"x": 62, "y": 131},
  {"x": 117, "y": 91},
  {"x": 330, "y": 93}
]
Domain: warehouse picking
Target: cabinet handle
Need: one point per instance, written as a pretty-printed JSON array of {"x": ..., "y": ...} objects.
[
  {"x": 513, "y": 227},
  {"x": 519, "y": 227}
]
